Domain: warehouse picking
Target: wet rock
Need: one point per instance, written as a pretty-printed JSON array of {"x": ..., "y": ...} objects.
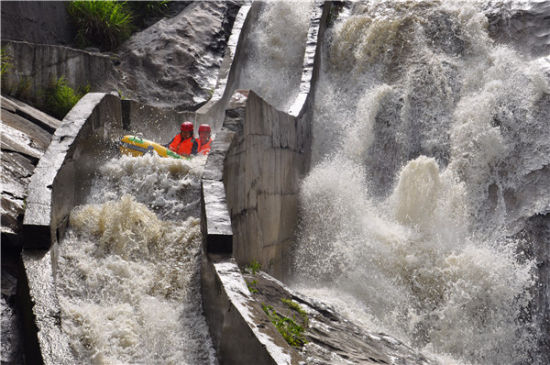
[
  {"x": 525, "y": 24},
  {"x": 11, "y": 346},
  {"x": 26, "y": 133},
  {"x": 175, "y": 62},
  {"x": 332, "y": 339}
]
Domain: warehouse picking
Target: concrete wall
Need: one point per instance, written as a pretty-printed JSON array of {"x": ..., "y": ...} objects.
[
  {"x": 263, "y": 167},
  {"x": 44, "y": 22},
  {"x": 157, "y": 124},
  {"x": 213, "y": 112},
  {"x": 261, "y": 175},
  {"x": 35, "y": 66}
]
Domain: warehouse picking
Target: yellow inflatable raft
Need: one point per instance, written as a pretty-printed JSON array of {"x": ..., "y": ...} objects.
[{"x": 137, "y": 146}]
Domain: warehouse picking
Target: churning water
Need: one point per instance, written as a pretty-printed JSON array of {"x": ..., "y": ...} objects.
[
  {"x": 431, "y": 147},
  {"x": 128, "y": 283},
  {"x": 275, "y": 47}
]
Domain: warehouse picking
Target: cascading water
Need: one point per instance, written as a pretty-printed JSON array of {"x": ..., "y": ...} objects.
[
  {"x": 275, "y": 47},
  {"x": 128, "y": 279},
  {"x": 431, "y": 147}
]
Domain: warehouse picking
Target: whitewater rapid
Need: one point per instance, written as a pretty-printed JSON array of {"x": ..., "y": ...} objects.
[
  {"x": 431, "y": 148},
  {"x": 128, "y": 279}
]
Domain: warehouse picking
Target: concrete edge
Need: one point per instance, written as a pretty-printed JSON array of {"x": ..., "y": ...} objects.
[
  {"x": 213, "y": 111},
  {"x": 230, "y": 310},
  {"x": 312, "y": 56},
  {"x": 66, "y": 158}
]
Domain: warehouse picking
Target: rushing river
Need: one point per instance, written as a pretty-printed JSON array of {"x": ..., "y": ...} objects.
[
  {"x": 431, "y": 149},
  {"x": 128, "y": 283}
]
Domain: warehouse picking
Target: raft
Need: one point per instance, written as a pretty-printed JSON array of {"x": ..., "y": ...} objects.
[{"x": 137, "y": 146}]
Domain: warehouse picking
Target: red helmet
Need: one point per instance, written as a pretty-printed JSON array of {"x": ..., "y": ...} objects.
[
  {"x": 204, "y": 128},
  {"x": 186, "y": 126}
]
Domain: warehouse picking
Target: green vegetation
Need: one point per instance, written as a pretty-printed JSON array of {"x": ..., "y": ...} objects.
[
  {"x": 143, "y": 10},
  {"x": 5, "y": 59},
  {"x": 254, "y": 267},
  {"x": 252, "y": 286},
  {"x": 104, "y": 24},
  {"x": 291, "y": 331},
  {"x": 59, "y": 98},
  {"x": 107, "y": 23},
  {"x": 296, "y": 307}
]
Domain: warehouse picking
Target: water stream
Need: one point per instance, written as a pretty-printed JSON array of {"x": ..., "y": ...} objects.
[
  {"x": 431, "y": 148},
  {"x": 275, "y": 51},
  {"x": 129, "y": 281}
]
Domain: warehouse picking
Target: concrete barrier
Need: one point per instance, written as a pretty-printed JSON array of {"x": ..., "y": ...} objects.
[
  {"x": 60, "y": 181},
  {"x": 213, "y": 112},
  {"x": 258, "y": 155},
  {"x": 266, "y": 160},
  {"x": 36, "y": 66},
  {"x": 61, "y": 176}
]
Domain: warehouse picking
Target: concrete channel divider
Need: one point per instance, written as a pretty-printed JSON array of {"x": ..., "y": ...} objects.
[
  {"x": 60, "y": 182},
  {"x": 259, "y": 154}
]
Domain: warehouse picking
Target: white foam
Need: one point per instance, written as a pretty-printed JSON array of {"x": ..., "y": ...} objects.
[{"x": 429, "y": 146}]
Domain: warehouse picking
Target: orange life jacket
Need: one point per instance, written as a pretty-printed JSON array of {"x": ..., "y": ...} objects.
[
  {"x": 184, "y": 147},
  {"x": 204, "y": 148}
]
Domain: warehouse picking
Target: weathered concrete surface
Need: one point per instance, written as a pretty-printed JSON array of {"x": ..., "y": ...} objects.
[
  {"x": 215, "y": 220},
  {"x": 261, "y": 175},
  {"x": 240, "y": 330},
  {"x": 35, "y": 66},
  {"x": 26, "y": 133},
  {"x": 60, "y": 181},
  {"x": 332, "y": 339},
  {"x": 213, "y": 112},
  {"x": 44, "y": 22},
  {"x": 157, "y": 124},
  {"x": 57, "y": 185},
  {"x": 45, "y": 342}
]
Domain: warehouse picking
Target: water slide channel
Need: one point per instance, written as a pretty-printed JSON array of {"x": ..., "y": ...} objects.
[{"x": 128, "y": 283}]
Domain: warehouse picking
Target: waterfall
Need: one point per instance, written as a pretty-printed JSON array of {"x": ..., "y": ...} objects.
[
  {"x": 431, "y": 149},
  {"x": 128, "y": 279}
]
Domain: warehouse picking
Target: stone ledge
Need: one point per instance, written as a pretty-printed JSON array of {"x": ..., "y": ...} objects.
[{"x": 241, "y": 332}]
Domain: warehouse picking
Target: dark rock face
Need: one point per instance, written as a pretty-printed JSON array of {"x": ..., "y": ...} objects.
[
  {"x": 37, "y": 22},
  {"x": 537, "y": 233},
  {"x": 26, "y": 133},
  {"x": 11, "y": 347},
  {"x": 523, "y": 23},
  {"x": 175, "y": 62}
]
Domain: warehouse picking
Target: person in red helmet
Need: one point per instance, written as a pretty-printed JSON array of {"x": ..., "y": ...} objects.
[
  {"x": 183, "y": 143},
  {"x": 205, "y": 139}
]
